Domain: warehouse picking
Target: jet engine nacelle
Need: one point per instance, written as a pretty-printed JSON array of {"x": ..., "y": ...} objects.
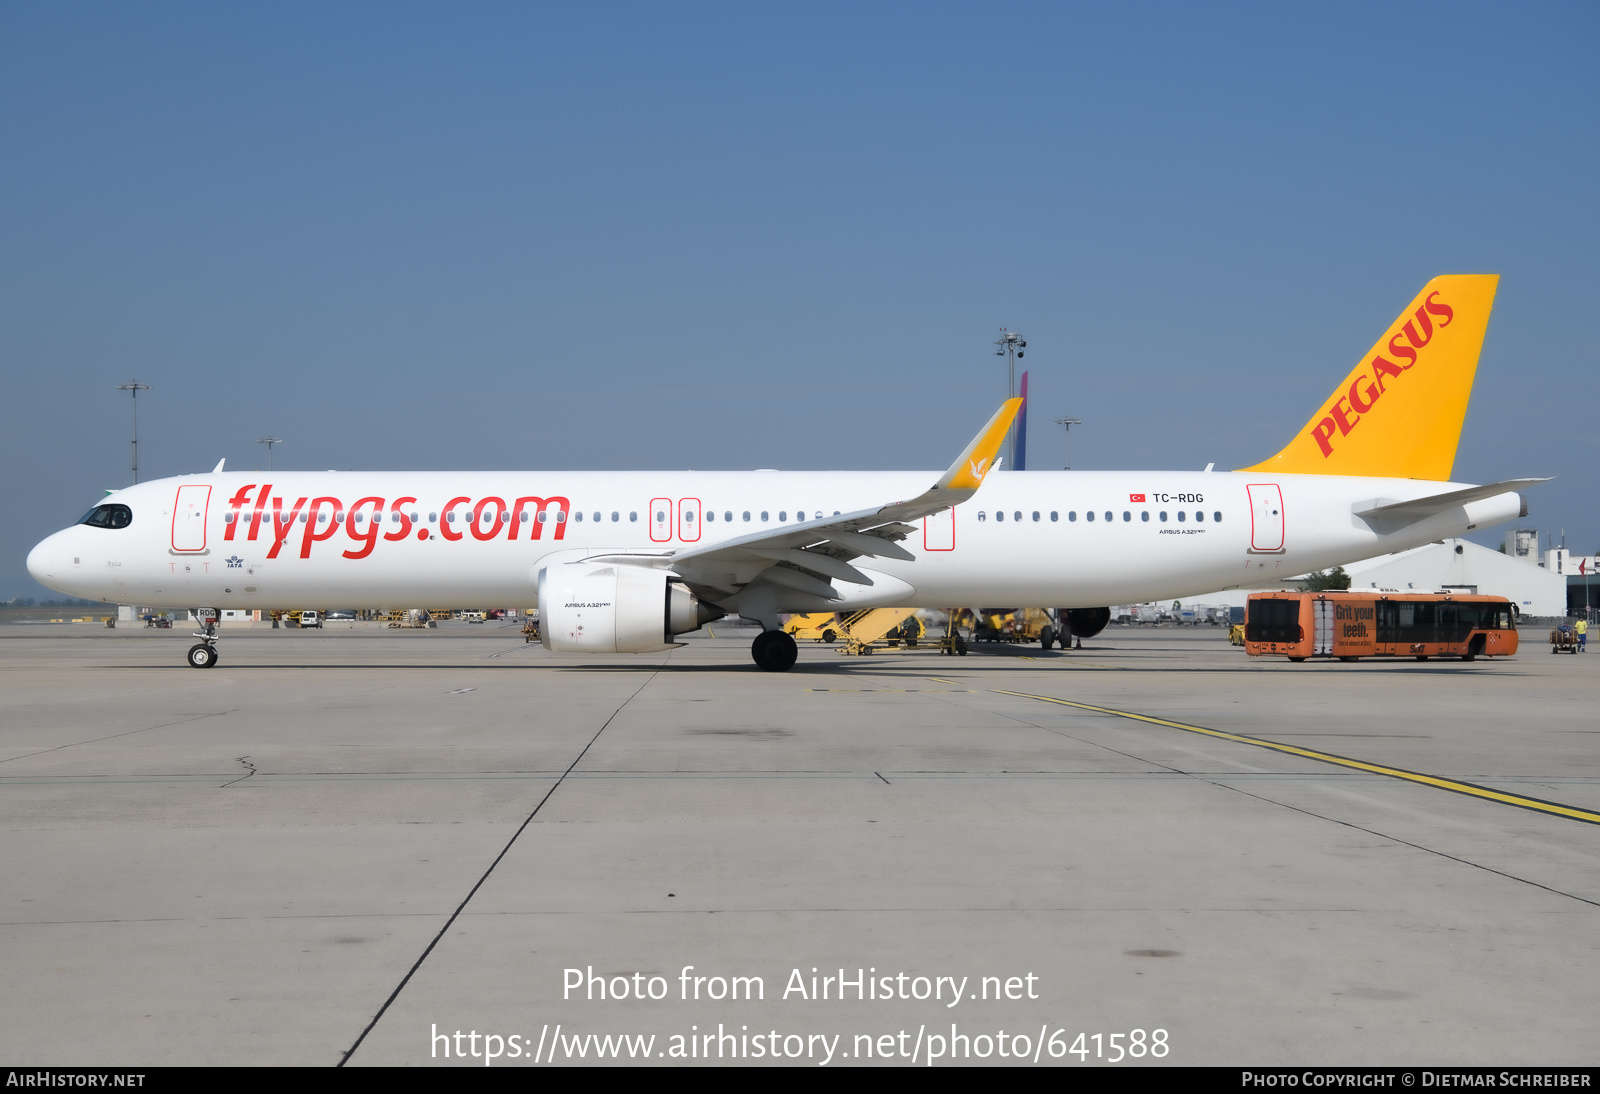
[
  {"x": 585, "y": 608},
  {"x": 1087, "y": 622}
]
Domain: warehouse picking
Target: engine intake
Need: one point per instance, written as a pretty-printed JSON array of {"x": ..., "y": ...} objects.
[{"x": 616, "y": 609}]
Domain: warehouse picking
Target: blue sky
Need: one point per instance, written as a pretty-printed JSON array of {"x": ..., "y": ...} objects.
[{"x": 725, "y": 236}]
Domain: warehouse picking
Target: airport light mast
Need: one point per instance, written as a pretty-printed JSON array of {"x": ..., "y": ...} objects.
[
  {"x": 1066, "y": 445},
  {"x": 133, "y": 387},
  {"x": 269, "y": 442},
  {"x": 1011, "y": 347}
]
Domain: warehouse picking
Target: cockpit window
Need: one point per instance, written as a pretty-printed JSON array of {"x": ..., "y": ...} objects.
[{"x": 108, "y": 516}]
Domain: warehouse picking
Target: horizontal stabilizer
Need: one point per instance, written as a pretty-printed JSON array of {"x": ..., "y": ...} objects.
[{"x": 1421, "y": 508}]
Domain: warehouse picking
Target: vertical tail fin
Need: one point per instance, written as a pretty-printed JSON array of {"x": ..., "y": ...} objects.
[{"x": 1399, "y": 412}]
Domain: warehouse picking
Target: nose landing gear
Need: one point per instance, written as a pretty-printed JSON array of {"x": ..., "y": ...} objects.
[{"x": 203, "y": 654}]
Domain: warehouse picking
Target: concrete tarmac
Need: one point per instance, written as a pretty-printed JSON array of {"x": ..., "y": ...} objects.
[{"x": 348, "y": 846}]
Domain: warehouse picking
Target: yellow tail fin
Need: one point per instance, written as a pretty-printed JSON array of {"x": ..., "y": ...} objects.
[{"x": 1399, "y": 412}]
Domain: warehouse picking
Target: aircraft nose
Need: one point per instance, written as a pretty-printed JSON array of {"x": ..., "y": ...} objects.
[{"x": 41, "y": 560}]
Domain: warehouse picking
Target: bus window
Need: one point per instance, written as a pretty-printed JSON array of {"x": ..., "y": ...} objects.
[{"x": 1273, "y": 621}]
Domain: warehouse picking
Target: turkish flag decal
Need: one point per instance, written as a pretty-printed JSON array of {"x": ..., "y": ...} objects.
[{"x": 1136, "y": 497}]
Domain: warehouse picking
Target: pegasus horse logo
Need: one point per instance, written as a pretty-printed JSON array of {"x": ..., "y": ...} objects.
[{"x": 978, "y": 466}]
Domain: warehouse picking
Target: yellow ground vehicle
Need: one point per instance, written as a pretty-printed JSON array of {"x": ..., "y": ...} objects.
[
  {"x": 1014, "y": 625},
  {"x": 816, "y": 626}
]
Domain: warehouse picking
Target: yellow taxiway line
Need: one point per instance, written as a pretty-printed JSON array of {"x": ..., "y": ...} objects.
[{"x": 1455, "y": 786}]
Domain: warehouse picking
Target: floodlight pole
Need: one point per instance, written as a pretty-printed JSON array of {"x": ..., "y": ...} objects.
[
  {"x": 133, "y": 387},
  {"x": 1011, "y": 347},
  {"x": 1066, "y": 449},
  {"x": 269, "y": 442}
]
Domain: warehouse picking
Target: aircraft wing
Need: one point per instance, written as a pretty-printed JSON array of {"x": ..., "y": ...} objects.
[{"x": 810, "y": 555}]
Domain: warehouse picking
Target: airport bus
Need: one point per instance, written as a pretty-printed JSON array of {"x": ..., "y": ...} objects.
[{"x": 1353, "y": 625}]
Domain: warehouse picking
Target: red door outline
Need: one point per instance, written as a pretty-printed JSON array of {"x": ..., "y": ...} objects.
[
  {"x": 1266, "y": 533},
  {"x": 661, "y": 526},
  {"x": 689, "y": 515},
  {"x": 184, "y": 505}
]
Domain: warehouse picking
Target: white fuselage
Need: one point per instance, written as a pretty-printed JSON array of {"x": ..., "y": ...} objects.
[{"x": 283, "y": 540}]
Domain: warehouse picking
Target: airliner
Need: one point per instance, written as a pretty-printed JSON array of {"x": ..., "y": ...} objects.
[{"x": 624, "y": 562}]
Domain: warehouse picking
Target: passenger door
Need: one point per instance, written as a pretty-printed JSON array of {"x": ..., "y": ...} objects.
[
  {"x": 1266, "y": 518},
  {"x": 189, "y": 519},
  {"x": 1322, "y": 627}
]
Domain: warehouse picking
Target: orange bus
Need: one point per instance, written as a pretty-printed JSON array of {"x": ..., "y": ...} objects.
[{"x": 1353, "y": 625}]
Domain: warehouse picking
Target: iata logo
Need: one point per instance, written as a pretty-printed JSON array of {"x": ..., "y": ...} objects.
[{"x": 1345, "y": 412}]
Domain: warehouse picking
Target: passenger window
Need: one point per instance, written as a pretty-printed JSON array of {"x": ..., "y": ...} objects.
[
  {"x": 711, "y": 514},
  {"x": 432, "y": 517},
  {"x": 561, "y": 516},
  {"x": 982, "y": 515},
  {"x": 1017, "y": 515},
  {"x": 542, "y": 516},
  {"x": 1144, "y": 515},
  {"x": 763, "y": 515},
  {"x": 1180, "y": 516},
  {"x": 1163, "y": 516},
  {"x": 578, "y": 515},
  {"x": 1089, "y": 515},
  {"x": 999, "y": 514},
  {"x": 1072, "y": 514},
  {"x": 1126, "y": 516},
  {"x": 1036, "y": 516},
  {"x": 1217, "y": 517},
  {"x": 634, "y": 516},
  {"x": 614, "y": 516},
  {"x": 1054, "y": 515},
  {"x": 728, "y": 516},
  {"x": 1108, "y": 514},
  {"x": 597, "y": 518},
  {"x": 747, "y": 514},
  {"x": 783, "y": 514}
]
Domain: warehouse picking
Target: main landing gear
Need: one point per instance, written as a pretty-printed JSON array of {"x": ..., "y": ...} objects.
[
  {"x": 774, "y": 651},
  {"x": 203, "y": 654}
]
